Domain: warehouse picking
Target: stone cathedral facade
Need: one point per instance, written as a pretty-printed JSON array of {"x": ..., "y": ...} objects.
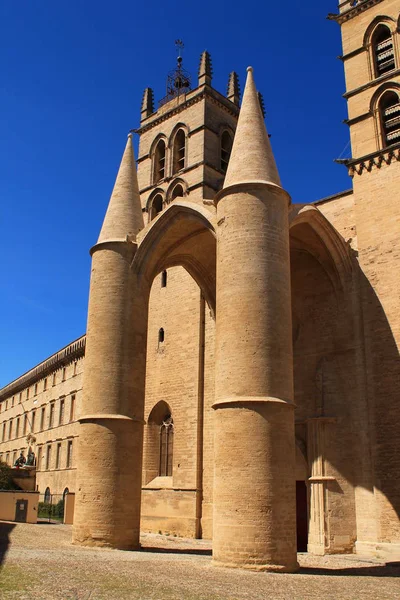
[{"x": 240, "y": 375}]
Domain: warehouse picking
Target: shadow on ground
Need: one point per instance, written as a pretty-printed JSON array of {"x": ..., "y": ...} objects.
[
  {"x": 389, "y": 570},
  {"x": 195, "y": 551},
  {"x": 5, "y": 530}
]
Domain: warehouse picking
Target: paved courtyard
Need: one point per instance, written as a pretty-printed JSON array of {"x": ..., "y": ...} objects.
[{"x": 39, "y": 562}]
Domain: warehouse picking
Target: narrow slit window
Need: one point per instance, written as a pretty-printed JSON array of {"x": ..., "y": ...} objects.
[
  {"x": 69, "y": 454},
  {"x": 166, "y": 446},
  {"x": 42, "y": 416},
  {"x": 179, "y": 151},
  {"x": 48, "y": 457},
  {"x": 58, "y": 456},
  {"x": 72, "y": 408},
  {"x": 159, "y": 161},
  {"x": 226, "y": 149},
  {"x": 164, "y": 279},
  {"x": 161, "y": 336}
]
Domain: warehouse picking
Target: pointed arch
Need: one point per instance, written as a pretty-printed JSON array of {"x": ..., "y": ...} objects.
[
  {"x": 378, "y": 39},
  {"x": 311, "y": 231},
  {"x": 155, "y": 203},
  {"x": 183, "y": 235},
  {"x": 159, "y": 442},
  {"x": 178, "y": 143},
  {"x": 158, "y": 155},
  {"x": 385, "y": 106},
  {"x": 177, "y": 189}
]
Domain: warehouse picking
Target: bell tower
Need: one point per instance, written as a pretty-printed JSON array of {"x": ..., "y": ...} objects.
[
  {"x": 371, "y": 58},
  {"x": 186, "y": 139}
]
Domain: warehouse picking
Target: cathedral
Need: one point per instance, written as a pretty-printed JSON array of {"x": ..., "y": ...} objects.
[{"x": 239, "y": 379}]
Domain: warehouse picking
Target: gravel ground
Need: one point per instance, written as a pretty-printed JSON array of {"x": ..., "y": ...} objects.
[{"x": 40, "y": 563}]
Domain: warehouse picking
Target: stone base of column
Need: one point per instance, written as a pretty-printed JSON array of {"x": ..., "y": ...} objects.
[
  {"x": 108, "y": 495},
  {"x": 254, "y": 485}
]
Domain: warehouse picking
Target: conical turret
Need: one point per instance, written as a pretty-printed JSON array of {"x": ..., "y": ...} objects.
[
  {"x": 124, "y": 213},
  {"x": 252, "y": 159}
]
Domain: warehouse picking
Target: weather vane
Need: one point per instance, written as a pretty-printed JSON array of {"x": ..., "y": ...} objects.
[{"x": 179, "y": 45}]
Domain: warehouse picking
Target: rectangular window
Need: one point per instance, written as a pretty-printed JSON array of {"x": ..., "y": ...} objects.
[
  {"x": 61, "y": 417},
  {"x": 8, "y": 458},
  {"x": 45, "y": 384},
  {"x": 75, "y": 365},
  {"x": 35, "y": 392},
  {"x": 17, "y": 428},
  {"x": 14, "y": 457},
  {"x": 69, "y": 454},
  {"x": 25, "y": 424},
  {"x": 42, "y": 416},
  {"x": 64, "y": 372},
  {"x": 72, "y": 410},
  {"x": 12, "y": 401},
  {"x": 54, "y": 378},
  {"x": 20, "y": 398},
  {"x": 3, "y": 437},
  {"x": 6, "y": 404},
  {"x": 27, "y": 393},
  {"x": 58, "y": 456},
  {"x": 38, "y": 458},
  {"x": 33, "y": 421},
  {"x": 48, "y": 457},
  {"x": 51, "y": 416},
  {"x": 10, "y": 430}
]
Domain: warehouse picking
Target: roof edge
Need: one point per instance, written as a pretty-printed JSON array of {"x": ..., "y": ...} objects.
[{"x": 75, "y": 349}]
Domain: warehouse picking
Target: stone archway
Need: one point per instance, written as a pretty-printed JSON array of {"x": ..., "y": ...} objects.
[{"x": 325, "y": 354}]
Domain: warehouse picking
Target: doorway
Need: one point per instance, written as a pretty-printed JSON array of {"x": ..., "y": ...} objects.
[
  {"x": 301, "y": 516},
  {"x": 21, "y": 510}
]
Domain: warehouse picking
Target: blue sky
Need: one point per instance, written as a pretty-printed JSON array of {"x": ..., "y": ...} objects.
[{"x": 73, "y": 75}]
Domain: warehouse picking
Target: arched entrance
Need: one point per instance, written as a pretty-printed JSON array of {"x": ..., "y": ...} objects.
[
  {"x": 176, "y": 262},
  {"x": 325, "y": 382}
]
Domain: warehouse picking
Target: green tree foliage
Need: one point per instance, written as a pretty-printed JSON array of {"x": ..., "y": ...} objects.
[{"x": 6, "y": 478}]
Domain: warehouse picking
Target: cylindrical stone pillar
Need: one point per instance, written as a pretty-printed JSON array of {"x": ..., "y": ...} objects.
[
  {"x": 108, "y": 495},
  {"x": 254, "y": 477}
]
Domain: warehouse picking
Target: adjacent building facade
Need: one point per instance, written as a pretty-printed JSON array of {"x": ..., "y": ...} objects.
[{"x": 240, "y": 377}]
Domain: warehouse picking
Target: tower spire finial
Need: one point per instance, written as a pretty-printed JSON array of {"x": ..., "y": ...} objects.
[
  {"x": 147, "y": 104},
  {"x": 233, "y": 91},
  {"x": 124, "y": 213},
  {"x": 205, "y": 69},
  {"x": 251, "y": 159}
]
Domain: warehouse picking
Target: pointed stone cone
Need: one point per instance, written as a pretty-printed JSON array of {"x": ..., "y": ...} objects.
[
  {"x": 124, "y": 215},
  {"x": 205, "y": 69},
  {"x": 252, "y": 159},
  {"x": 233, "y": 91}
]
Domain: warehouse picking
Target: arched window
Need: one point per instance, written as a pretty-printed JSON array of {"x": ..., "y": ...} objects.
[
  {"x": 164, "y": 279},
  {"x": 179, "y": 151},
  {"x": 158, "y": 443},
  {"x": 226, "y": 149},
  {"x": 177, "y": 192},
  {"x": 389, "y": 109},
  {"x": 166, "y": 446},
  {"x": 156, "y": 206},
  {"x": 47, "y": 495},
  {"x": 159, "y": 162},
  {"x": 383, "y": 50},
  {"x": 65, "y": 492}
]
